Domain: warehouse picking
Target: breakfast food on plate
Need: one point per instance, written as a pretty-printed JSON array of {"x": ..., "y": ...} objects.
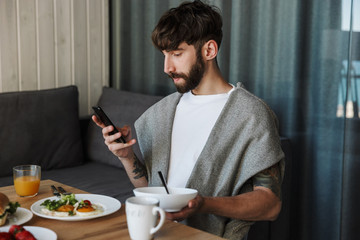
[
  {"x": 18, "y": 233},
  {"x": 6, "y": 208},
  {"x": 68, "y": 205},
  {"x": 4, "y": 202}
]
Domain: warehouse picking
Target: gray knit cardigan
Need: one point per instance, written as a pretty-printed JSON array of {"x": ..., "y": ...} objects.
[{"x": 243, "y": 142}]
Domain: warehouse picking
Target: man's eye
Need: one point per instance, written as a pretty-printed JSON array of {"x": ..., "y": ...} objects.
[{"x": 176, "y": 54}]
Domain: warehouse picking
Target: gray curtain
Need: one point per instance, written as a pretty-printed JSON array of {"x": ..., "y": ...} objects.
[{"x": 293, "y": 54}]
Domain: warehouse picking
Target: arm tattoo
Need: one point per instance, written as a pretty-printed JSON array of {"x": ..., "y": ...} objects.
[
  {"x": 139, "y": 169},
  {"x": 269, "y": 178}
]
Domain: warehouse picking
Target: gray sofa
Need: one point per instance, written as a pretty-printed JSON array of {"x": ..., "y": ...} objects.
[{"x": 43, "y": 127}]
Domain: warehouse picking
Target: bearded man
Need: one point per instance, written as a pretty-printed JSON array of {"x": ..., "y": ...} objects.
[{"x": 210, "y": 135}]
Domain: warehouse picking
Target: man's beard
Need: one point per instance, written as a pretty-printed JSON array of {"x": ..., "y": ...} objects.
[{"x": 192, "y": 79}]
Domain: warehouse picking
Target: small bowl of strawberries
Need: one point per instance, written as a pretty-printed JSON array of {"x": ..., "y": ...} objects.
[{"x": 17, "y": 232}]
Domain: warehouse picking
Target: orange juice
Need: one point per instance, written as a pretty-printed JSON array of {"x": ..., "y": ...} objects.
[{"x": 27, "y": 185}]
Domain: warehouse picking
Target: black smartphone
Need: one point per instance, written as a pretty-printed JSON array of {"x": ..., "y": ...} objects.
[{"x": 106, "y": 120}]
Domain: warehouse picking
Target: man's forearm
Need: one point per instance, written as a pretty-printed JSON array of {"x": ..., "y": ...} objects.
[
  {"x": 136, "y": 171},
  {"x": 258, "y": 205}
]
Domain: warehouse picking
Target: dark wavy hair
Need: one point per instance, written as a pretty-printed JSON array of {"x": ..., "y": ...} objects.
[{"x": 192, "y": 22}]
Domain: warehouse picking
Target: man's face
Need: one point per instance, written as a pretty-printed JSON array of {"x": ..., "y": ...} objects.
[{"x": 185, "y": 66}]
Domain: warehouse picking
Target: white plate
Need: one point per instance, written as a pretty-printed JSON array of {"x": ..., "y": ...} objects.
[
  {"x": 39, "y": 233},
  {"x": 21, "y": 216},
  {"x": 109, "y": 204}
]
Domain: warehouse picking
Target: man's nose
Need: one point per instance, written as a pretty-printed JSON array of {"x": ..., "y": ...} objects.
[{"x": 168, "y": 65}]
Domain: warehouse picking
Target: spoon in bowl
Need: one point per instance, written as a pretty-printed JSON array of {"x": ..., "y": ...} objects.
[{"x": 163, "y": 181}]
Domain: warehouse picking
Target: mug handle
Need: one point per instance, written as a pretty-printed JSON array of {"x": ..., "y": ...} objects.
[{"x": 156, "y": 210}]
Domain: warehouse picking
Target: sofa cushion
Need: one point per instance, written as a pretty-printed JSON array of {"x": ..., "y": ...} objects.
[
  {"x": 40, "y": 127},
  {"x": 123, "y": 108}
]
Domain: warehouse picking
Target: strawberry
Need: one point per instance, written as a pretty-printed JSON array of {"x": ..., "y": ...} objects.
[
  {"x": 5, "y": 236},
  {"x": 14, "y": 229},
  {"x": 24, "y": 235}
]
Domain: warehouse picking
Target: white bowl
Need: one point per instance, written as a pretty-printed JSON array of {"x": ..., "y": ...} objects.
[{"x": 173, "y": 202}]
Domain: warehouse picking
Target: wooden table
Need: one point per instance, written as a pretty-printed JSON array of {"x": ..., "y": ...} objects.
[{"x": 113, "y": 226}]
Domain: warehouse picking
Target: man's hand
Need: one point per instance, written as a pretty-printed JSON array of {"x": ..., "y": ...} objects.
[
  {"x": 193, "y": 207},
  {"x": 133, "y": 166},
  {"x": 118, "y": 149}
]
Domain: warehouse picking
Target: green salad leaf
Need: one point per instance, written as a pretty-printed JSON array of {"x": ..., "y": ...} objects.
[
  {"x": 55, "y": 204},
  {"x": 12, "y": 207}
]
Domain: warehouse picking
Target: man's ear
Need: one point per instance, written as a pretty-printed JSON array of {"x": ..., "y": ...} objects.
[{"x": 210, "y": 50}]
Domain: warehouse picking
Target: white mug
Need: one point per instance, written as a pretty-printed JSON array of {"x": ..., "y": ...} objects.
[{"x": 141, "y": 217}]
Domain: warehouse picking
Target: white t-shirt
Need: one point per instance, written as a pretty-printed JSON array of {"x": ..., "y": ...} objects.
[{"x": 194, "y": 119}]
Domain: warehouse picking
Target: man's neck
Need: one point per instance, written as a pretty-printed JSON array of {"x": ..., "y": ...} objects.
[{"x": 212, "y": 83}]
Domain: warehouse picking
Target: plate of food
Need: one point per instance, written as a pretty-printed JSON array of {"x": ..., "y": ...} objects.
[
  {"x": 76, "y": 207},
  {"x": 21, "y": 216},
  {"x": 27, "y": 232},
  {"x": 11, "y": 213}
]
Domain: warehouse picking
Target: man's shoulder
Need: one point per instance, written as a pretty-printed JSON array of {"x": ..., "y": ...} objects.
[
  {"x": 243, "y": 102},
  {"x": 247, "y": 99}
]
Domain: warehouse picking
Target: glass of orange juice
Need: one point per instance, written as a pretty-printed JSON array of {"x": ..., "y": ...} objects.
[{"x": 27, "y": 180}]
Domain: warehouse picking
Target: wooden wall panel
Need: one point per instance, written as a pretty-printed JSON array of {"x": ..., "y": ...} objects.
[
  {"x": 9, "y": 79},
  {"x": 64, "y": 43},
  {"x": 105, "y": 44},
  {"x": 52, "y": 43},
  {"x": 80, "y": 49},
  {"x": 46, "y": 49},
  {"x": 94, "y": 49},
  {"x": 27, "y": 44}
]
